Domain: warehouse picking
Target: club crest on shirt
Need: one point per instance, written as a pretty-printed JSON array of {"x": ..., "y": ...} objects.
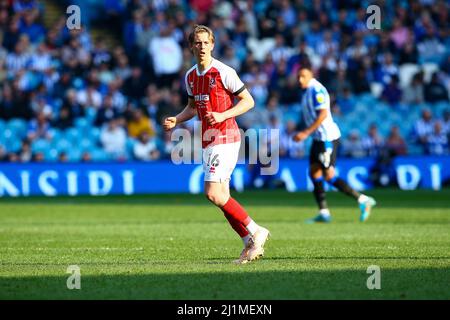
[
  {"x": 212, "y": 82},
  {"x": 191, "y": 84}
]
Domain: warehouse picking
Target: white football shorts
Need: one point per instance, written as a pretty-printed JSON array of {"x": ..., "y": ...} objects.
[{"x": 220, "y": 160}]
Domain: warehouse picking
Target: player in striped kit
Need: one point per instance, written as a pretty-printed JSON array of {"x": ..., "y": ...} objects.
[
  {"x": 212, "y": 87},
  {"x": 325, "y": 134}
]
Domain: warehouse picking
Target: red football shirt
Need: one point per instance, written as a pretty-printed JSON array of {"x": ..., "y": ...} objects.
[{"x": 214, "y": 91}]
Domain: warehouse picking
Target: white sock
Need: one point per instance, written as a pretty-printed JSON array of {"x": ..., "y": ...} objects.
[
  {"x": 362, "y": 198},
  {"x": 324, "y": 212},
  {"x": 246, "y": 239},
  {"x": 252, "y": 227}
]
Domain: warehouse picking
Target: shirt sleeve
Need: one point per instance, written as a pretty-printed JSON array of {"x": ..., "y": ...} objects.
[
  {"x": 320, "y": 98},
  {"x": 232, "y": 82},
  {"x": 188, "y": 88}
]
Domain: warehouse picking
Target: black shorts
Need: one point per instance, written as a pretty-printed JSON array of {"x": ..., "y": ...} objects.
[{"x": 317, "y": 148}]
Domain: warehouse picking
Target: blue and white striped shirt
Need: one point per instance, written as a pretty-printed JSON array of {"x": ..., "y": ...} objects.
[{"x": 316, "y": 98}]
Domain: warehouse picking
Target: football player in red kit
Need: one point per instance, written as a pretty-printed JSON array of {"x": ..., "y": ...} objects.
[{"x": 212, "y": 87}]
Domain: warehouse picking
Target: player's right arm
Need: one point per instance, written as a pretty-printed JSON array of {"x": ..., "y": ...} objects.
[{"x": 187, "y": 114}]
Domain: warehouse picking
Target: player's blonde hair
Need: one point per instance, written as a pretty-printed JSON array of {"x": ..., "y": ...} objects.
[{"x": 198, "y": 28}]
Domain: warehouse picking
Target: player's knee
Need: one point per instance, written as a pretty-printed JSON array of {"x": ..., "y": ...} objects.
[
  {"x": 215, "y": 197},
  {"x": 315, "y": 173},
  {"x": 329, "y": 174}
]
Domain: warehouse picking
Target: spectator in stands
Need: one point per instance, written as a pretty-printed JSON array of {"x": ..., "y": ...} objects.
[
  {"x": 19, "y": 59},
  {"x": 11, "y": 36},
  {"x": 256, "y": 81},
  {"x": 388, "y": 68},
  {"x": 31, "y": 27},
  {"x": 423, "y": 128},
  {"x": 346, "y": 101},
  {"x": 3, "y": 154},
  {"x": 76, "y": 109},
  {"x": 62, "y": 157},
  {"x": 41, "y": 59},
  {"x": 146, "y": 34},
  {"x": 167, "y": 58},
  {"x": 414, "y": 93},
  {"x": 392, "y": 93},
  {"x": 430, "y": 47},
  {"x": 280, "y": 51},
  {"x": 64, "y": 119},
  {"x": 106, "y": 112},
  {"x": 25, "y": 154},
  {"x": 301, "y": 54},
  {"x": 437, "y": 141},
  {"x": 145, "y": 148},
  {"x": 38, "y": 157},
  {"x": 352, "y": 146},
  {"x": 435, "y": 91},
  {"x": 39, "y": 128},
  {"x": 230, "y": 58},
  {"x": 131, "y": 30},
  {"x": 86, "y": 157},
  {"x": 360, "y": 80},
  {"x": 89, "y": 97},
  {"x": 122, "y": 69},
  {"x": 73, "y": 53},
  {"x": 288, "y": 147},
  {"x": 7, "y": 103},
  {"x": 373, "y": 142},
  {"x": 134, "y": 87},
  {"x": 446, "y": 123},
  {"x": 119, "y": 101},
  {"x": 100, "y": 54},
  {"x": 409, "y": 53},
  {"x": 40, "y": 105},
  {"x": 140, "y": 123},
  {"x": 272, "y": 110},
  {"x": 113, "y": 139},
  {"x": 399, "y": 34},
  {"x": 395, "y": 144}
]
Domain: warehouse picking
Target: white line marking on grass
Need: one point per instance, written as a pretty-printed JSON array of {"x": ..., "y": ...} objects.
[{"x": 74, "y": 249}]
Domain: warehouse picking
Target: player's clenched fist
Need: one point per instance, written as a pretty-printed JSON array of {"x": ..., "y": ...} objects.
[
  {"x": 300, "y": 136},
  {"x": 214, "y": 117},
  {"x": 169, "y": 123}
]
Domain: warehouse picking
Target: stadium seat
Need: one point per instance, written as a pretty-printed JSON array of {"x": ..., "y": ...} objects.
[
  {"x": 74, "y": 154},
  {"x": 2, "y": 130},
  {"x": 72, "y": 135},
  {"x": 56, "y": 134},
  {"x": 18, "y": 127},
  {"x": 82, "y": 125},
  {"x": 85, "y": 144},
  {"x": 51, "y": 155},
  {"x": 99, "y": 154},
  {"x": 94, "y": 134},
  {"x": 12, "y": 144},
  {"x": 62, "y": 144},
  {"x": 130, "y": 145},
  {"x": 91, "y": 113},
  {"x": 40, "y": 145}
]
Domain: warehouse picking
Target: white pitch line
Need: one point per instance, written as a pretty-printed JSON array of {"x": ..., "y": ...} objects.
[{"x": 74, "y": 249}]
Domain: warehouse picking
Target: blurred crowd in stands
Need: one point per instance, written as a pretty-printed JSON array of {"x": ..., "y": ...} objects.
[{"x": 66, "y": 96}]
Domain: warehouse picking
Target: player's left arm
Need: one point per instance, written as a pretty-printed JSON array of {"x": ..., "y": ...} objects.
[
  {"x": 302, "y": 135},
  {"x": 244, "y": 104}
]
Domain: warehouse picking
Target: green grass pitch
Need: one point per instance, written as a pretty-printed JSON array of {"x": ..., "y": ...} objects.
[{"x": 181, "y": 247}]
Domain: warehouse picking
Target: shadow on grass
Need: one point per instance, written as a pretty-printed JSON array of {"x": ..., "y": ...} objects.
[{"x": 244, "y": 284}]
